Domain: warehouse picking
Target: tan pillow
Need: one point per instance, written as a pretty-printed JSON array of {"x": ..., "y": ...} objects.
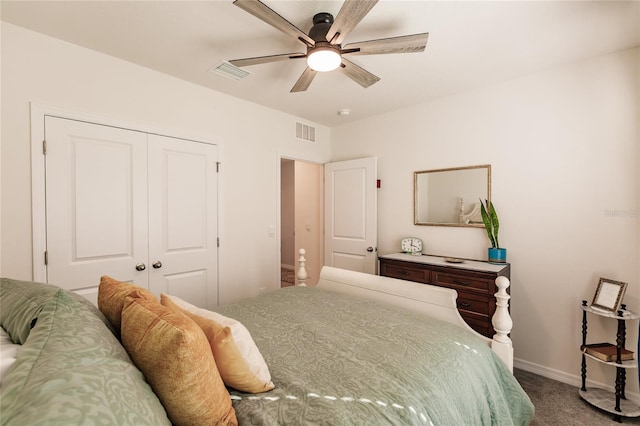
[
  {"x": 246, "y": 373},
  {"x": 174, "y": 355},
  {"x": 111, "y": 295}
]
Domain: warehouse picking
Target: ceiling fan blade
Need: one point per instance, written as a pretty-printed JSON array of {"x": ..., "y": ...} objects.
[
  {"x": 358, "y": 74},
  {"x": 350, "y": 14},
  {"x": 266, "y": 59},
  {"x": 304, "y": 81},
  {"x": 268, "y": 15},
  {"x": 402, "y": 44}
]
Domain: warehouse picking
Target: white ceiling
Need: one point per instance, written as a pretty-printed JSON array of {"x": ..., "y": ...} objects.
[{"x": 471, "y": 44}]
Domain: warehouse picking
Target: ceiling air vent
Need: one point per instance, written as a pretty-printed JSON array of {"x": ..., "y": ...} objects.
[
  {"x": 229, "y": 71},
  {"x": 304, "y": 132}
]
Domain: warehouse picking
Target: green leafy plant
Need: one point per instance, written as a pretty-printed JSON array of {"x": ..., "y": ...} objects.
[{"x": 491, "y": 222}]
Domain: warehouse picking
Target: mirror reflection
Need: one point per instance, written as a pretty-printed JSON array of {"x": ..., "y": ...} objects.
[{"x": 451, "y": 197}]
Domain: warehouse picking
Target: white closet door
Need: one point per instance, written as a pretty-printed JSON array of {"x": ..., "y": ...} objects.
[
  {"x": 96, "y": 204},
  {"x": 183, "y": 252}
]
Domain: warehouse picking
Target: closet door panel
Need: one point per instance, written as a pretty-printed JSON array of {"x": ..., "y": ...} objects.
[
  {"x": 101, "y": 196},
  {"x": 183, "y": 219},
  {"x": 96, "y": 216},
  {"x": 189, "y": 286}
]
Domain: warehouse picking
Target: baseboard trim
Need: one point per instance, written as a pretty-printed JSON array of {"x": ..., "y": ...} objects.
[{"x": 571, "y": 379}]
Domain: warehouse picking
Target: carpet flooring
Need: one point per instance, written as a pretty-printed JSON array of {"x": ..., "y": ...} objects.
[
  {"x": 287, "y": 277},
  {"x": 559, "y": 404}
]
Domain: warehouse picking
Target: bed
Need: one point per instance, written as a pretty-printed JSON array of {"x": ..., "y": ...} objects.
[
  {"x": 359, "y": 349},
  {"x": 355, "y": 349}
]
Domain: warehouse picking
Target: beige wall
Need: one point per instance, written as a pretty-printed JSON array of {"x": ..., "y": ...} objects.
[
  {"x": 309, "y": 216},
  {"x": 563, "y": 145},
  {"x": 42, "y": 69},
  {"x": 301, "y": 215},
  {"x": 287, "y": 213}
]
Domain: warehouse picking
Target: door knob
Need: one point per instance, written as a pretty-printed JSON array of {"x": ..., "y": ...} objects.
[
  {"x": 157, "y": 264},
  {"x": 369, "y": 249},
  {"x": 141, "y": 267}
]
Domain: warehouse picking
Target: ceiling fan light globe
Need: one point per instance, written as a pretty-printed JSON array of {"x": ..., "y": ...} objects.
[{"x": 324, "y": 59}]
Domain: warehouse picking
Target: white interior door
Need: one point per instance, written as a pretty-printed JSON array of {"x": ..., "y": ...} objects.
[
  {"x": 351, "y": 215},
  {"x": 183, "y": 252},
  {"x": 96, "y": 204}
]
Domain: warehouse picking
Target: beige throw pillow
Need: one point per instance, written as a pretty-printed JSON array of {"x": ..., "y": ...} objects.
[
  {"x": 239, "y": 361},
  {"x": 111, "y": 295}
]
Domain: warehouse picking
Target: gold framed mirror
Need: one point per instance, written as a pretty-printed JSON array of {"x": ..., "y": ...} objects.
[{"x": 451, "y": 197}]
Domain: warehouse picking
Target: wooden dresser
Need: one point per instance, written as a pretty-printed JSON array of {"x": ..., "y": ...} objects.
[{"x": 473, "y": 280}]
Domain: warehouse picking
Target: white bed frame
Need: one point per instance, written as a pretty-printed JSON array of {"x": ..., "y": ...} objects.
[{"x": 437, "y": 302}]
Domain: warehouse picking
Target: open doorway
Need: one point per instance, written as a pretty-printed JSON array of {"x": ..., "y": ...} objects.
[{"x": 301, "y": 216}]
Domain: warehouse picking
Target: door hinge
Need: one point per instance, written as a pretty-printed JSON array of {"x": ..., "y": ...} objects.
[
  {"x": 46, "y": 257},
  {"x": 218, "y": 167},
  {"x": 218, "y": 242},
  {"x": 44, "y": 147}
]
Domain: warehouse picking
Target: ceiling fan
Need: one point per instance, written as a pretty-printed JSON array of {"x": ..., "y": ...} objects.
[{"x": 324, "y": 42}]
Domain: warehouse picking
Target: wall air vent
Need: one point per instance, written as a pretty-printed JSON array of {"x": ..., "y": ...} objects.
[
  {"x": 229, "y": 71},
  {"x": 305, "y": 132}
]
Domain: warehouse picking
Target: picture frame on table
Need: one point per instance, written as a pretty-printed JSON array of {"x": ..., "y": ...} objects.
[{"x": 609, "y": 294}]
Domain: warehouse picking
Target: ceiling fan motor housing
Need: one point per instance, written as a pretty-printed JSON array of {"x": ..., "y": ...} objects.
[{"x": 321, "y": 24}]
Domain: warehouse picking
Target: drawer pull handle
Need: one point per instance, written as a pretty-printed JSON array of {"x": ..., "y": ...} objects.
[
  {"x": 465, "y": 304},
  {"x": 404, "y": 272},
  {"x": 460, "y": 282}
]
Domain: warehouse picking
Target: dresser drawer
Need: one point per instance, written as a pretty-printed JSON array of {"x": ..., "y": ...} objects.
[
  {"x": 462, "y": 282},
  {"x": 404, "y": 272},
  {"x": 481, "y": 325},
  {"x": 473, "y": 303}
]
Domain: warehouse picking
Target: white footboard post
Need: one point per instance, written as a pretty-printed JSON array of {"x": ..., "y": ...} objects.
[
  {"x": 302, "y": 271},
  {"x": 502, "y": 324}
]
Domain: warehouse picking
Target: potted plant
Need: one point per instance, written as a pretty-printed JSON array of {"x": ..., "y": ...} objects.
[{"x": 492, "y": 225}]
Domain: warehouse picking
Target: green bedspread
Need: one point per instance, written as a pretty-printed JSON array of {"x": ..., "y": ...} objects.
[
  {"x": 71, "y": 369},
  {"x": 340, "y": 360}
]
